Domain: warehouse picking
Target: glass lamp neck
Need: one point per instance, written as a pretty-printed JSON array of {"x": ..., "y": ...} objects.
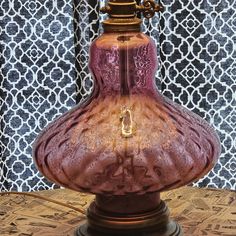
[{"x": 123, "y": 62}]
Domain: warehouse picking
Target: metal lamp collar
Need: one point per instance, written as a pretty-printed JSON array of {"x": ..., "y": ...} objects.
[{"x": 122, "y": 14}]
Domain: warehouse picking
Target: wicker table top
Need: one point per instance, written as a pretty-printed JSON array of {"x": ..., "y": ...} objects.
[{"x": 199, "y": 211}]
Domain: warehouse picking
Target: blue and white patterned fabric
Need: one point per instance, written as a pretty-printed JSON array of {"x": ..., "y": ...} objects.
[{"x": 44, "y": 72}]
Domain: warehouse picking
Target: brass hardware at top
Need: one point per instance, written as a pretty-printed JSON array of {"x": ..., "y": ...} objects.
[
  {"x": 130, "y": 8},
  {"x": 123, "y": 13},
  {"x": 149, "y": 8}
]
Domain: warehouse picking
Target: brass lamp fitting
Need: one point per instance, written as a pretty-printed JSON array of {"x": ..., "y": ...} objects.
[{"x": 123, "y": 17}]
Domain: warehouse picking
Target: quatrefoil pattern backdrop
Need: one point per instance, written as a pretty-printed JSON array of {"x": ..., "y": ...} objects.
[
  {"x": 44, "y": 73},
  {"x": 37, "y": 82}
]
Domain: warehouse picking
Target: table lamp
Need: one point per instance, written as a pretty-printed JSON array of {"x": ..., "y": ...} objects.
[{"x": 126, "y": 143}]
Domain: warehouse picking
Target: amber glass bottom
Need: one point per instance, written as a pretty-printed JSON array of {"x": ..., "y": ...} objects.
[{"x": 152, "y": 223}]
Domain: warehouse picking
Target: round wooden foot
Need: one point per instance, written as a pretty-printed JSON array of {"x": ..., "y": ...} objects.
[{"x": 153, "y": 223}]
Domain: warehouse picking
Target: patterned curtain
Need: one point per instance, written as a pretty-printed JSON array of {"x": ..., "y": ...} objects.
[
  {"x": 44, "y": 72},
  {"x": 37, "y": 82},
  {"x": 198, "y": 68}
]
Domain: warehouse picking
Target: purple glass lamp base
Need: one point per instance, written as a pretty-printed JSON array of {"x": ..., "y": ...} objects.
[{"x": 126, "y": 143}]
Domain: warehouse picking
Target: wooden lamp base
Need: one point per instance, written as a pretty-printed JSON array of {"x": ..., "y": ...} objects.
[{"x": 151, "y": 223}]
